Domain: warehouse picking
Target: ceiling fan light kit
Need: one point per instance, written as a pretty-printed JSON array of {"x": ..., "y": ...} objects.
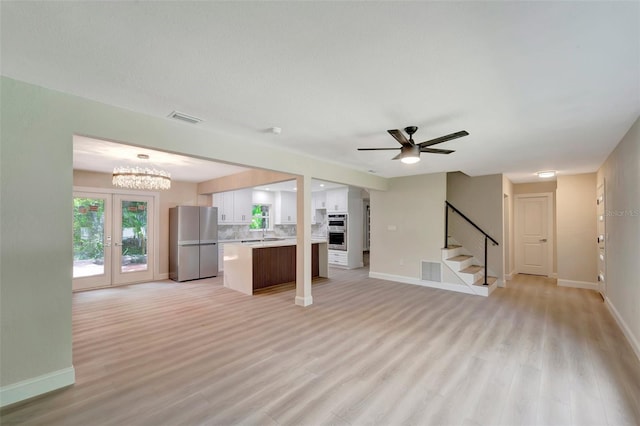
[
  {"x": 410, "y": 151},
  {"x": 410, "y": 154}
]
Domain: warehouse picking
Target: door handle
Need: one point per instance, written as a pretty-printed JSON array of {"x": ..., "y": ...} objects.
[
  {"x": 117, "y": 244},
  {"x": 544, "y": 240}
]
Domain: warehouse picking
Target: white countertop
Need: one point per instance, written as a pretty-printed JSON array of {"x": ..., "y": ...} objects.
[{"x": 278, "y": 243}]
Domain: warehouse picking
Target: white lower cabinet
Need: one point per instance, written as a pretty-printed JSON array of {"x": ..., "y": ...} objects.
[
  {"x": 338, "y": 257},
  {"x": 220, "y": 257}
]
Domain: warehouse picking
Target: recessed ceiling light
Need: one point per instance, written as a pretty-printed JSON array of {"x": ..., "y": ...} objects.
[
  {"x": 267, "y": 189},
  {"x": 322, "y": 185},
  {"x": 295, "y": 189},
  {"x": 546, "y": 174},
  {"x": 276, "y": 130}
]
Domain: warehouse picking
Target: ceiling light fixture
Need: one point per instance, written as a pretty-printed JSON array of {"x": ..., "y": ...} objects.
[
  {"x": 546, "y": 174},
  {"x": 144, "y": 177},
  {"x": 410, "y": 154}
]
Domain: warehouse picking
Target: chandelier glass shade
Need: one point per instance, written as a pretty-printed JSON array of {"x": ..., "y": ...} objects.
[{"x": 137, "y": 177}]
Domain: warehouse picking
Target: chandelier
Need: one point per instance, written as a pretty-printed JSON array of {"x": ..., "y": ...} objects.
[{"x": 137, "y": 177}]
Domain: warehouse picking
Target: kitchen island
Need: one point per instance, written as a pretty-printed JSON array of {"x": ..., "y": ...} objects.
[{"x": 252, "y": 266}]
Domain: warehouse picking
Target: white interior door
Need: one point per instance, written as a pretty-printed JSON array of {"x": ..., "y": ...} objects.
[
  {"x": 533, "y": 234},
  {"x": 132, "y": 238},
  {"x": 112, "y": 239},
  {"x": 91, "y": 240}
]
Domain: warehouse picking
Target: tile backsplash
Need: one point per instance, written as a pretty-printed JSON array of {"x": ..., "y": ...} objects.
[{"x": 240, "y": 232}]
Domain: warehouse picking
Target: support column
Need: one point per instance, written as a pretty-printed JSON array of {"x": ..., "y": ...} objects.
[{"x": 303, "y": 247}]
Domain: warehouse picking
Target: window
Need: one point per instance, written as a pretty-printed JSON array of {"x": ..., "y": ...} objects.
[{"x": 260, "y": 217}]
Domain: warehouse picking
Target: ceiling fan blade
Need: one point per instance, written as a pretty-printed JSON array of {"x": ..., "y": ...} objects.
[
  {"x": 377, "y": 149},
  {"x": 400, "y": 137},
  {"x": 436, "y": 151},
  {"x": 446, "y": 138}
]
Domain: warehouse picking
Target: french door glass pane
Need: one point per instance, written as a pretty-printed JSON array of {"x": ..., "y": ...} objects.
[
  {"x": 134, "y": 236},
  {"x": 88, "y": 237}
]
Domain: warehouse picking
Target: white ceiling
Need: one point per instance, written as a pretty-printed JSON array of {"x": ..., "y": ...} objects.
[
  {"x": 538, "y": 85},
  {"x": 102, "y": 156}
]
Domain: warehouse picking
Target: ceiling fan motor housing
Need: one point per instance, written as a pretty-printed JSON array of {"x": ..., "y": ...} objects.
[
  {"x": 410, "y": 151},
  {"x": 411, "y": 130}
]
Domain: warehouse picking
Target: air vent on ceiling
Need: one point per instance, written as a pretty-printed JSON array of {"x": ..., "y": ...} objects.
[{"x": 184, "y": 117}]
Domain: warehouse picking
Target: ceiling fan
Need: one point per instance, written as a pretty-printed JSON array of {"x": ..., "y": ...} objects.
[{"x": 410, "y": 151}]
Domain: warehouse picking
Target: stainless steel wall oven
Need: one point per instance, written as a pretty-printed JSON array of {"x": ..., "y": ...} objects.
[{"x": 337, "y": 232}]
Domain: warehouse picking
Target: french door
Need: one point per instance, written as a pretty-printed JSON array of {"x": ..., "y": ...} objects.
[{"x": 112, "y": 239}]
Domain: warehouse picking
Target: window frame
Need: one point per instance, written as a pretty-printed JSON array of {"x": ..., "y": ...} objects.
[{"x": 269, "y": 217}]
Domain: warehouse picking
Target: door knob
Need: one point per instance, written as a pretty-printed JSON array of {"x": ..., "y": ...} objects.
[{"x": 544, "y": 240}]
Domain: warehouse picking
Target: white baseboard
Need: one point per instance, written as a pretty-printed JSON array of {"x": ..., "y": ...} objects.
[
  {"x": 304, "y": 301},
  {"x": 578, "y": 284},
  {"x": 555, "y": 276},
  {"x": 160, "y": 277},
  {"x": 36, "y": 386},
  {"x": 460, "y": 288},
  {"x": 635, "y": 345}
]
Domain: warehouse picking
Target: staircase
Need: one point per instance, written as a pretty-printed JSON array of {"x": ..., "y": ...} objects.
[{"x": 468, "y": 270}]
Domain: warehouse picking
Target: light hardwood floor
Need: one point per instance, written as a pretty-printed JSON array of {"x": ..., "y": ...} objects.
[{"x": 367, "y": 351}]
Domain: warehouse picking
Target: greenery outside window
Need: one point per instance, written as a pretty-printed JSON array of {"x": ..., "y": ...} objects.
[{"x": 260, "y": 217}]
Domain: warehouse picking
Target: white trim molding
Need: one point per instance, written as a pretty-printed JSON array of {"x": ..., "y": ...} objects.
[
  {"x": 460, "y": 288},
  {"x": 304, "y": 301},
  {"x": 554, "y": 276},
  {"x": 578, "y": 284},
  {"x": 635, "y": 345},
  {"x": 37, "y": 386}
]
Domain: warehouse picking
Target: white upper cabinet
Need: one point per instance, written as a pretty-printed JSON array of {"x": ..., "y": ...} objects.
[
  {"x": 337, "y": 200},
  {"x": 242, "y": 205},
  {"x": 234, "y": 207},
  {"x": 318, "y": 202},
  {"x": 224, "y": 202},
  {"x": 286, "y": 208}
]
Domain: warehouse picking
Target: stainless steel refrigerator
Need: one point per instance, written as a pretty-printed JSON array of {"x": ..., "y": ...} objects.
[{"x": 193, "y": 242}]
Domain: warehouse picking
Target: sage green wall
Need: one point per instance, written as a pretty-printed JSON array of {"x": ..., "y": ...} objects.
[
  {"x": 508, "y": 237},
  {"x": 35, "y": 229},
  {"x": 37, "y": 126},
  {"x": 407, "y": 224},
  {"x": 577, "y": 228},
  {"x": 480, "y": 198},
  {"x": 621, "y": 174}
]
